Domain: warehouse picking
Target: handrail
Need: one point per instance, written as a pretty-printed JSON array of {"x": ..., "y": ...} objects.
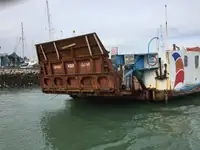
[{"x": 149, "y": 46}]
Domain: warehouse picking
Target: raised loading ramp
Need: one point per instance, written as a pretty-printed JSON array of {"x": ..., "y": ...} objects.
[{"x": 77, "y": 65}]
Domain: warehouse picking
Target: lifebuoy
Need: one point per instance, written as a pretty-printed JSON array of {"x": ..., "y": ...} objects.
[{"x": 156, "y": 61}]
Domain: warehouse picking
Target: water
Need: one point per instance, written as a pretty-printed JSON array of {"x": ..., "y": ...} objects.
[{"x": 30, "y": 120}]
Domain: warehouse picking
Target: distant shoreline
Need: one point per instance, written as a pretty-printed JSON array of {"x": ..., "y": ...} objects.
[{"x": 19, "y": 78}]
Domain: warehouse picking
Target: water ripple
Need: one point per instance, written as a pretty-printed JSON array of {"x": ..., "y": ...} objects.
[{"x": 30, "y": 120}]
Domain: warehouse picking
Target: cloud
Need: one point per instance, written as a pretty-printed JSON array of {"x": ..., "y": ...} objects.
[
  {"x": 9, "y": 1},
  {"x": 185, "y": 35},
  {"x": 128, "y": 24}
]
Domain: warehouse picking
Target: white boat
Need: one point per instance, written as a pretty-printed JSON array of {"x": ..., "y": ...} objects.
[{"x": 28, "y": 64}]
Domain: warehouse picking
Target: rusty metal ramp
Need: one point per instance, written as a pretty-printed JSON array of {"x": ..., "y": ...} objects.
[
  {"x": 78, "y": 46},
  {"x": 76, "y": 64}
]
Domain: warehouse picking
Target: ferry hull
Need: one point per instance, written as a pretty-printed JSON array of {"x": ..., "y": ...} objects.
[
  {"x": 144, "y": 95},
  {"x": 80, "y": 67}
]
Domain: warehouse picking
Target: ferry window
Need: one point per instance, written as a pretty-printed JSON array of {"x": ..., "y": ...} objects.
[
  {"x": 185, "y": 61},
  {"x": 196, "y": 61}
]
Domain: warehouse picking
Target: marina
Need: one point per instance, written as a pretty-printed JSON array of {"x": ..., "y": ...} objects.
[{"x": 85, "y": 75}]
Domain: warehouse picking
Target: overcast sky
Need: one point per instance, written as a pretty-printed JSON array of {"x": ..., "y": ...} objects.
[{"x": 128, "y": 24}]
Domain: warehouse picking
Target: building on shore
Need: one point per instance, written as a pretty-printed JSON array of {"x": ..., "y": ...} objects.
[
  {"x": 10, "y": 60},
  {"x": 4, "y": 60},
  {"x": 15, "y": 60}
]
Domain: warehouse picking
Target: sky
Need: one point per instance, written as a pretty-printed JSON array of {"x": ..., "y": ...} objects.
[{"x": 127, "y": 24}]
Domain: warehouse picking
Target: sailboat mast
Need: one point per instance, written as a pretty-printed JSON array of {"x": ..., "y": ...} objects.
[
  {"x": 166, "y": 28},
  {"x": 49, "y": 20},
  {"x": 22, "y": 39}
]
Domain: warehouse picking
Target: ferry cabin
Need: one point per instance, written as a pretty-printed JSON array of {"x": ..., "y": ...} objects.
[{"x": 183, "y": 70}]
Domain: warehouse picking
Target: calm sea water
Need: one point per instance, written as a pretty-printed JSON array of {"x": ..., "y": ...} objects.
[{"x": 31, "y": 120}]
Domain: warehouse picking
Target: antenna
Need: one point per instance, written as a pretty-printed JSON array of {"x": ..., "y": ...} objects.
[
  {"x": 22, "y": 38},
  {"x": 166, "y": 38},
  {"x": 158, "y": 41},
  {"x": 161, "y": 38},
  {"x": 61, "y": 35},
  {"x": 49, "y": 21}
]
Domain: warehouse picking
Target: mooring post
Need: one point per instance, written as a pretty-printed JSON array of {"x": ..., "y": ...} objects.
[{"x": 166, "y": 96}]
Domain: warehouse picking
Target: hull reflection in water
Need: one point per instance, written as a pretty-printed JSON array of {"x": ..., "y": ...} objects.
[{"x": 85, "y": 124}]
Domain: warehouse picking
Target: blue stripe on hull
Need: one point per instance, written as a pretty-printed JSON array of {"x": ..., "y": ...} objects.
[
  {"x": 188, "y": 87},
  {"x": 176, "y": 56}
]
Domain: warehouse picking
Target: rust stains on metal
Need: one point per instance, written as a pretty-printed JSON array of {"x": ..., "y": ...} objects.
[
  {"x": 58, "y": 55},
  {"x": 80, "y": 65},
  {"x": 76, "y": 65},
  {"x": 88, "y": 44},
  {"x": 98, "y": 43},
  {"x": 45, "y": 57},
  {"x": 68, "y": 46}
]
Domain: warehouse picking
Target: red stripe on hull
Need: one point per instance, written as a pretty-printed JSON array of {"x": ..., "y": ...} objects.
[{"x": 179, "y": 78}]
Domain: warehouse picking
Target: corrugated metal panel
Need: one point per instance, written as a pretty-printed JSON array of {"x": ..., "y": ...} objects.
[
  {"x": 69, "y": 67},
  {"x": 84, "y": 66},
  {"x": 57, "y": 68},
  {"x": 97, "y": 65}
]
